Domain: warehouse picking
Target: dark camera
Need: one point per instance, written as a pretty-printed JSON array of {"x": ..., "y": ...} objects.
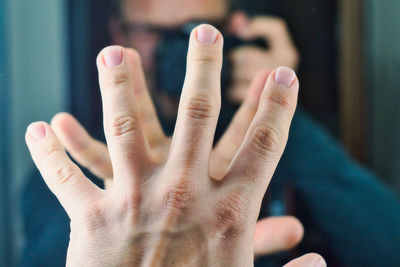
[{"x": 171, "y": 54}]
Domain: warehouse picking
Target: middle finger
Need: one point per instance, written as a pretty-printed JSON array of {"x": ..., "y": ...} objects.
[{"x": 200, "y": 101}]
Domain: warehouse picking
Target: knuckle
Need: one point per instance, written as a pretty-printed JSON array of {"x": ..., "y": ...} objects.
[
  {"x": 231, "y": 214},
  {"x": 51, "y": 150},
  {"x": 94, "y": 217},
  {"x": 207, "y": 56},
  {"x": 200, "y": 108},
  {"x": 124, "y": 124},
  {"x": 280, "y": 100},
  {"x": 117, "y": 79},
  {"x": 266, "y": 140},
  {"x": 65, "y": 175},
  {"x": 179, "y": 196},
  {"x": 131, "y": 201}
]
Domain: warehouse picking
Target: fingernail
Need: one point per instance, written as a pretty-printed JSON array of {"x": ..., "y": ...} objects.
[
  {"x": 285, "y": 76},
  {"x": 206, "y": 34},
  {"x": 112, "y": 56},
  {"x": 320, "y": 263},
  {"x": 37, "y": 131}
]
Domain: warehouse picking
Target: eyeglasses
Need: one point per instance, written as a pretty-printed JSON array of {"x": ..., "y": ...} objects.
[{"x": 186, "y": 29}]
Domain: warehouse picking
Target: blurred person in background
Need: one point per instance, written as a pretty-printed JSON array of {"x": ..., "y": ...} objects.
[{"x": 348, "y": 215}]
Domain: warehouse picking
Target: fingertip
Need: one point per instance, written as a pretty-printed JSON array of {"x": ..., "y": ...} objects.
[
  {"x": 204, "y": 60},
  {"x": 286, "y": 232},
  {"x": 205, "y": 46},
  {"x": 206, "y": 34},
  {"x": 36, "y": 131},
  {"x": 69, "y": 131},
  {"x": 297, "y": 232},
  {"x": 60, "y": 119},
  {"x": 316, "y": 260},
  {"x": 111, "y": 56},
  {"x": 310, "y": 260},
  {"x": 281, "y": 89},
  {"x": 285, "y": 77},
  {"x": 65, "y": 124}
]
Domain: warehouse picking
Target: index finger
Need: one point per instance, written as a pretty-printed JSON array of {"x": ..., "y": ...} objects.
[{"x": 200, "y": 101}]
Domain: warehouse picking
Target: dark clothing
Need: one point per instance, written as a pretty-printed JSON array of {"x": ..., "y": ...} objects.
[{"x": 350, "y": 217}]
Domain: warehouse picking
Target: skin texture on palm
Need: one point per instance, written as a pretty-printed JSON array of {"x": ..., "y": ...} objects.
[{"x": 170, "y": 212}]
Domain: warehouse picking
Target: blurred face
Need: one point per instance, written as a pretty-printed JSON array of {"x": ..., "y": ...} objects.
[
  {"x": 172, "y": 12},
  {"x": 140, "y": 14}
]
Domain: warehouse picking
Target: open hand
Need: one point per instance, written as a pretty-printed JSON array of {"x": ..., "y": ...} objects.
[{"x": 166, "y": 208}]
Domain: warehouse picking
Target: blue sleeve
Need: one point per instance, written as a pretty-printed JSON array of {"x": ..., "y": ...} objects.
[
  {"x": 357, "y": 215},
  {"x": 45, "y": 225}
]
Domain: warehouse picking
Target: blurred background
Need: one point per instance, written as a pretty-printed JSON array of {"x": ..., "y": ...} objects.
[{"x": 349, "y": 72}]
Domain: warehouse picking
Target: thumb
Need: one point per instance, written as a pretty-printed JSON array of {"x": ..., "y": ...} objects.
[
  {"x": 308, "y": 260},
  {"x": 276, "y": 234}
]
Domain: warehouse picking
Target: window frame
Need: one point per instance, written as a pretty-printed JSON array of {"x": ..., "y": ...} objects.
[{"x": 6, "y": 241}]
